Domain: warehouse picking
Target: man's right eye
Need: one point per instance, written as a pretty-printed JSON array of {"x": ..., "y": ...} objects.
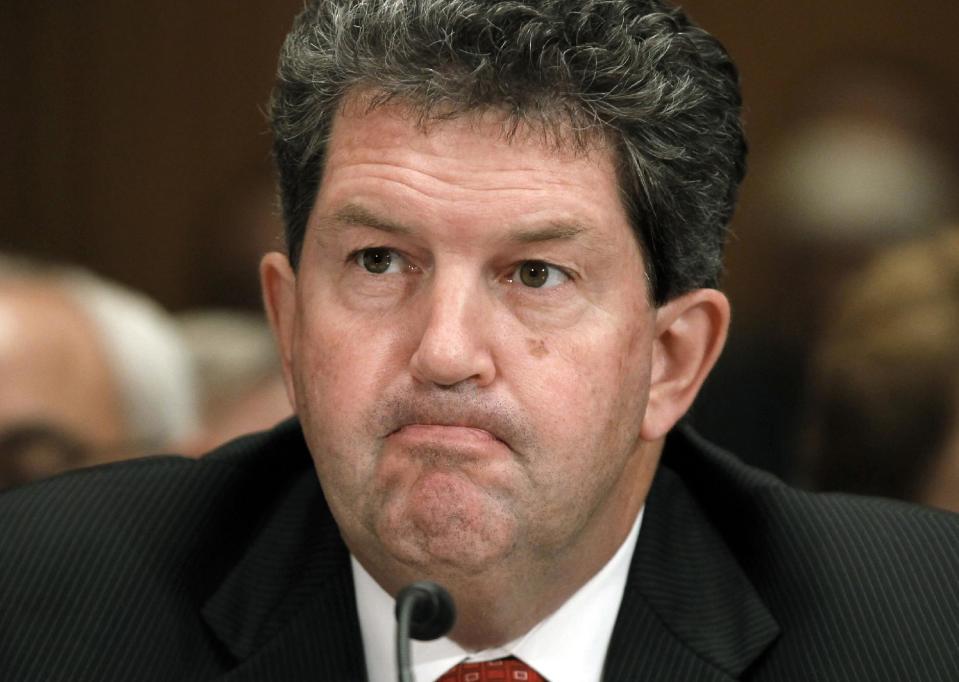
[{"x": 379, "y": 260}]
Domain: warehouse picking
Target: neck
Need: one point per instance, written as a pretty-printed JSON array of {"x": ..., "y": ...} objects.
[
  {"x": 514, "y": 606},
  {"x": 505, "y": 602}
]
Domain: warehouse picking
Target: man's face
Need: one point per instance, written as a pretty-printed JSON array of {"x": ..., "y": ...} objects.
[{"x": 470, "y": 346}]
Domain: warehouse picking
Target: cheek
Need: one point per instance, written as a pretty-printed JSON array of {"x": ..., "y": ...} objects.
[
  {"x": 338, "y": 365},
  {"x": 579, "y": 385},
  {"x": 338, "y": 378},
  {"x": 341, "y": 348}
]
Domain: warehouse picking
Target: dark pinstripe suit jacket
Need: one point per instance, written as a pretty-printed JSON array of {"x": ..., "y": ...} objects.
[{"x": 231, "y": 569}]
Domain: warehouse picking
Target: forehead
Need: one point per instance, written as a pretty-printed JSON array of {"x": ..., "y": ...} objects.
[{"x": 478, "y": 160}]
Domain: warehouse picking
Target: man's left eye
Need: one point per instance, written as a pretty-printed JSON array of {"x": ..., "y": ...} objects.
[{"x": 538, "y": 274}]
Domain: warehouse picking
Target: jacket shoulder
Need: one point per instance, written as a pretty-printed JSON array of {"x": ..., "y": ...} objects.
[
  {"x": 114, "y": 557},
  {"x": 856, "y": 583},
  {"x": 762, "y": 514}
]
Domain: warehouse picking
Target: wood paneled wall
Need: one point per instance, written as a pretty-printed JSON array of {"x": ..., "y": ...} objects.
[{"x": 123, "y": 119}]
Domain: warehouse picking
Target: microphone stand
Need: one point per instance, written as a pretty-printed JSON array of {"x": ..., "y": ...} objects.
[{"x": 424, "y": 611}]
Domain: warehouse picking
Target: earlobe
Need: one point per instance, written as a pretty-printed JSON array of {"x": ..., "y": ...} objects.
[
  {"x": 278, "y": 282},
  {"x": 690, "y": 334}
]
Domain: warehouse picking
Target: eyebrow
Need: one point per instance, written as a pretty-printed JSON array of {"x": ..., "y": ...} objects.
[
  {"x": 554, "y": 231},
  {"x": 355, "y": 215}
]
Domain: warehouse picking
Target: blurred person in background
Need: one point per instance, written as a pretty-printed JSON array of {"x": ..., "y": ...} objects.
[
  {"x": 90, "y": 372},
  {"x": 868, "y": 161},
  {"x": 239, "y": 376},
  {"x": 884, "y": 410}
]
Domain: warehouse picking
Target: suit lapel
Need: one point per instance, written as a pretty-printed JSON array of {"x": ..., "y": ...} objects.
[
  {"x": 287, "y": 611},
  {"x": 689, "y": 611}
]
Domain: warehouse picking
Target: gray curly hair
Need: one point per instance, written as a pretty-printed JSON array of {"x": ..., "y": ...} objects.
[{"x": 636, "y": 73}]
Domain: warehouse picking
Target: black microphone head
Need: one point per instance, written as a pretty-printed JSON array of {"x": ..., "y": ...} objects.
[{"x": 433, "y": 612}]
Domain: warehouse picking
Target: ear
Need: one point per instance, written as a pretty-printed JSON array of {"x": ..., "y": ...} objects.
[
  {"x": 690, "y": 334},
  {"x": 278, "y": 282}
]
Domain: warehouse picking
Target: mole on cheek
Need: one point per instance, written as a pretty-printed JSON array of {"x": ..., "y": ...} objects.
[{"x": 537, "y": 348}]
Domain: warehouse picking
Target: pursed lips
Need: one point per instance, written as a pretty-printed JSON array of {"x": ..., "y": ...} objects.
[
  {"x": 446, "y": 430},
  {"x": 444, "y": 433}
]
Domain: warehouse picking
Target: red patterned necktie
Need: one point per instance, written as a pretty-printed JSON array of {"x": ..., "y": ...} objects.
[{"x": 506, "y": 669}]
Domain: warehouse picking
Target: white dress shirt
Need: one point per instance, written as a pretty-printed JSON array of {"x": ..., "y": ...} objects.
[{"x": 568, "y": 646}]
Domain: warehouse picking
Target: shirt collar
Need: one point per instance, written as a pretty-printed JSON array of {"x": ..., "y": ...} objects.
[{"x": 565, "y": 647}]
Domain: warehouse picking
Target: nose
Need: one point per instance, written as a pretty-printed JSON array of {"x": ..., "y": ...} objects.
[{"x": 453, "y": 347}]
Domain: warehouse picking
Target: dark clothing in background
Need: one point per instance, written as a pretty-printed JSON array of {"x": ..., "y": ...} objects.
[
  {"x": 231, "y": 568},
  {"x": 753, "y": 400}
]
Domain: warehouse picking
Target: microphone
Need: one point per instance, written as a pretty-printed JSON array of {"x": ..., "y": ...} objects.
[{"x": 424, "y": 611}]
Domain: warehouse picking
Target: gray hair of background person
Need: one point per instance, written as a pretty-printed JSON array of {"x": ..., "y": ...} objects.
[
  {"x": 148, "y": 357},
  {"x": 636, "y": 74},
  {"x": 151, "y": 362},
  {"x": 885, "y": 375},
  {"x": 233, "y": 351}
]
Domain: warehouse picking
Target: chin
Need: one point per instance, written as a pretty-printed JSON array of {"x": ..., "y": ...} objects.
[{"x": 444, "y": 541}]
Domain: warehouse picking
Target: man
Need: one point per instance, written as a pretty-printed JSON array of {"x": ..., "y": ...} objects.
[
  {"x": 504, "y": 226},
  {"x": 90, "y": 372}
]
